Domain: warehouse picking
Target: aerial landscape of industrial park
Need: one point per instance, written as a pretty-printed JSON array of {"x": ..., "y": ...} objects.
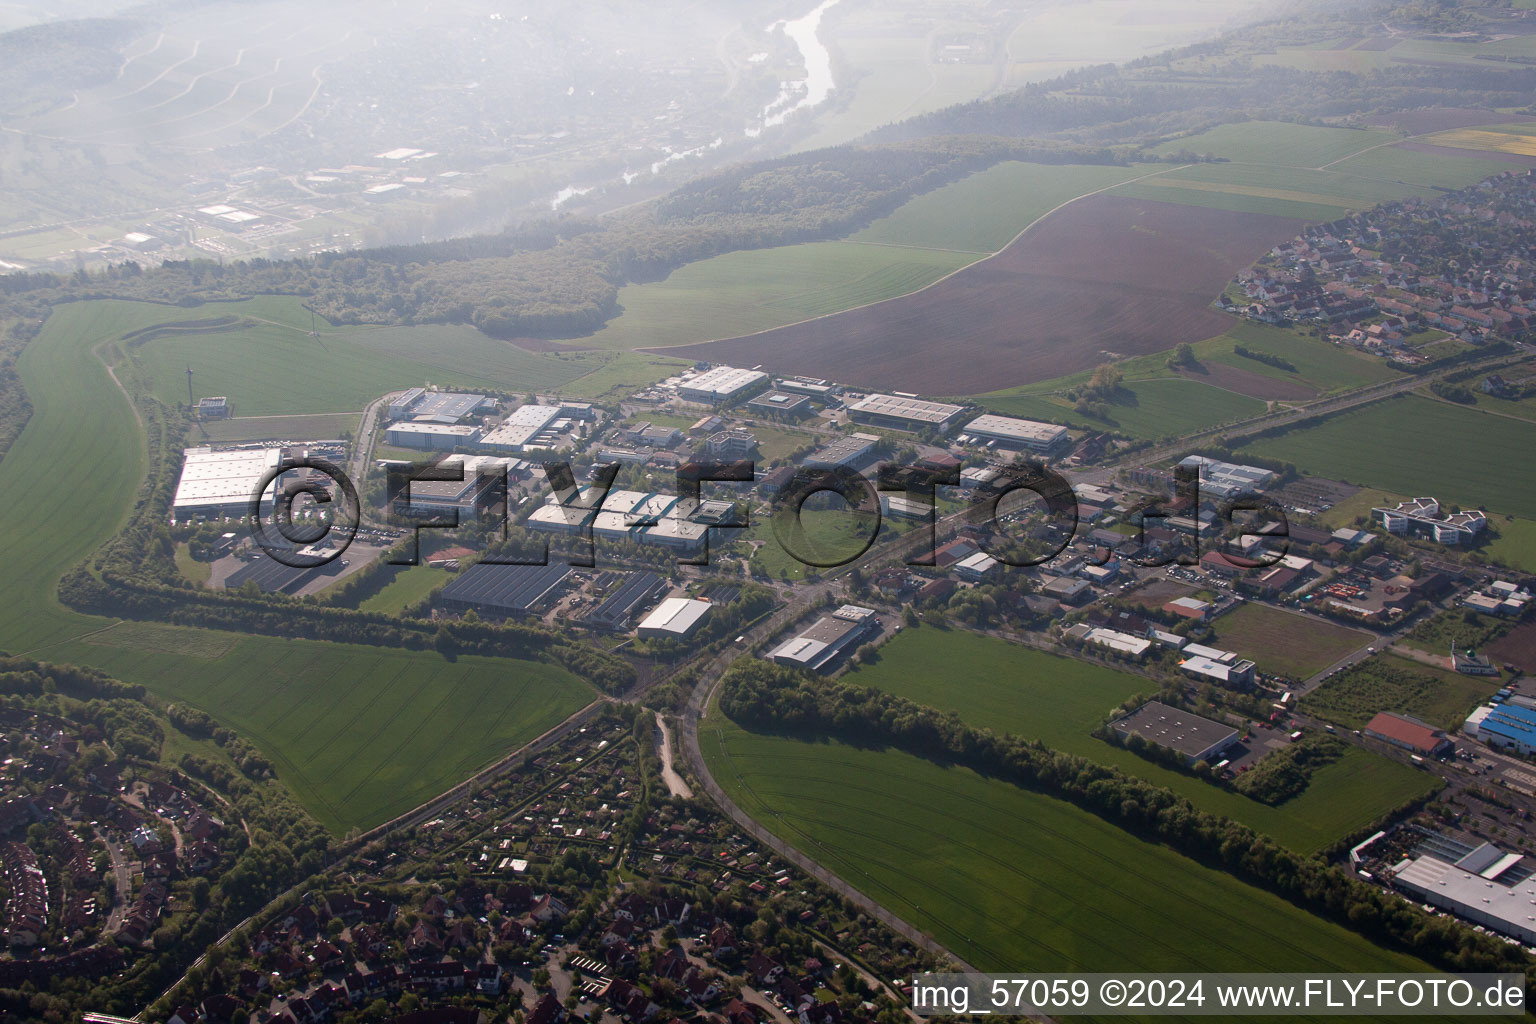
[{"x": 718, "y": 513}]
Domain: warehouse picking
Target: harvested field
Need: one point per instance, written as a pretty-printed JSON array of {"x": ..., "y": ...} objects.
[
  {"x": 1247, "y": 382},
  {"x": 1517, "y": 647},
  {"x": 1107, "y": 274}
]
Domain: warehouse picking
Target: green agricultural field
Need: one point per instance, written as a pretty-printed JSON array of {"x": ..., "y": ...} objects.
[
  {"x": 1320, "y": 365},
  {"x": 1059, "y": 701},
  {"x": 410, "y": 585},
  {"x": 1513, "y": 543},
  {"x": 1414, "y": 167},
  {"x": 1005, "y": 876},
  {"x": 1149, "y": 408},
  {"x": 273, "y": 366},
  {"x": 983, "y": 212},
  {"x": 277, "y": 428},
  {"x": 1413, "y": 445},
  {"x": 1388, "y": 682},
  {"x": 1286, "y": 643},
  {"x": 1278, "y": 142},
  {"x": 754, "y": 290},
  {"x": 1275, "y": 190},
  {"x": 359, "y": 733}
]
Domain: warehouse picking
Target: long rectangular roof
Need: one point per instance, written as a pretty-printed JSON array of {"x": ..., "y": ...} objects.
[
  {"x": 1171, "y": 727},
  {"x": 505, "y": 587}
]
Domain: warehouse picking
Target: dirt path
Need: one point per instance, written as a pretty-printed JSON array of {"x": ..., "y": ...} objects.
[{"x": 675, "y": 784}]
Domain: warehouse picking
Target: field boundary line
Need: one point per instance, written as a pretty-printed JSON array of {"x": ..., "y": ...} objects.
[{"x": 937, "y": 281}]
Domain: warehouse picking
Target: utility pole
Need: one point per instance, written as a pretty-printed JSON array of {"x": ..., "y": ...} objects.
[{"x": 191, "y": 402}]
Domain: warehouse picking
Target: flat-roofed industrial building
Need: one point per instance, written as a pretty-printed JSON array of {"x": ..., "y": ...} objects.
[
  {"x": 620, "y": 606},
  {"x": 821, "y": 644},
  {"x": 221, "y": 483},
  {"x": 845, "y": 451},
  {"x": 722, "y": 385},
  {"x": 1475, "y": 888},
  {"x": 431, "y": 436},
  {"x": 676, "y": 618},
  {"x": 1195, "y": 738},
  {"x": 523, "y": 428},
  {"x": 781, "y": 403},
  {"x": 501, "y": 591},
  {"x": 904, "y": 412},
  {"x": 1506, "y": 725},
  {"x": 442, "y": 406},
  {"x": 1019, "y": 434}
]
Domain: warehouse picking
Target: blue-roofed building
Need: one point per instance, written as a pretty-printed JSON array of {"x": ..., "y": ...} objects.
[{"x": 1508, "y": 726}]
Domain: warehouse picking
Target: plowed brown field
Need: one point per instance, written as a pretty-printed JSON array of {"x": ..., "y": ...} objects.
[{"x": 1106, "y": 274}]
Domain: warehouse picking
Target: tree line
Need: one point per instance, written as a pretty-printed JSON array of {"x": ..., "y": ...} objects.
[{"x": 768, "y": 696}]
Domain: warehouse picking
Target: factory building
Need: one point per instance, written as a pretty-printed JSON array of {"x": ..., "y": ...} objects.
[
  {"x": 904, "y": 412},
  {"x": 502, "y": 591},
  {"x": 431, "y": 437},
  {"x": 832, "y": 636},
  {"x": 221, "y": 483},
  {"x": 527, "y": 427},
  {"x": 676, "y": 618},
  {"x": 781, "y": 404},
  {"x": 1407, "y": 732},
  {"x": 1477, "y": 888},
  {"x": 1196, "y": 738},
  {"x": 848, "y": 451},
  {"x": 722, "y": 385},
  {"x": 1018, "y": 434},
  {"x": 1507, "y": 726},
  {"x": 437, "y": 406},
  {"x": 478, "y": 491},
  {"x": 1227, "y": 479}
]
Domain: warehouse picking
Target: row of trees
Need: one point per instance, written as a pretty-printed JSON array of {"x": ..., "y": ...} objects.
[{"x": 770, "y": 696}]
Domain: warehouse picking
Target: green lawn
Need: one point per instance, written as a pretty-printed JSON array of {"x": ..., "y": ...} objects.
[
  {"x": 411, "y": 584},
  {"x": 1150, "y": 408},
  {"x": 824, "y": 536},
  {"x": 1058, "y": 701},
  {"x": 1413, "y": 445},
  {"x": 754, "y": 290},
  {"x": 1355, "y": 510},
  {"x": 191, "y": 568},
  {"x": 1320, "y": 365},
  {"x": 1388, "y": 682},
  {"x": 1283, "y": 642},
  {"x": 359, "y": 733},
  {"x": 983, "y": 212},
  {"x": 1514, "y": 543},
  {"x": 277, "y": 428},
  {"x": 1005, "y": 877}
]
